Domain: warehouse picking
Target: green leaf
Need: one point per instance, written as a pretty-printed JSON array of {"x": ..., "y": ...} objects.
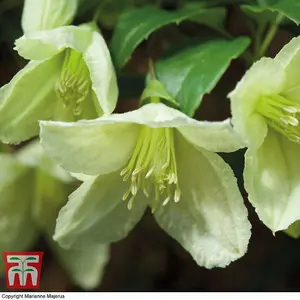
[
  {"x": 135, "y": 25},
  {"x": 195, "y": 71},
  {"x": 259, "y": 13},
  {"x": 289, "y": 8},
  {"x": 294, "y": 230},
  {"x": 211, "y": 17}
]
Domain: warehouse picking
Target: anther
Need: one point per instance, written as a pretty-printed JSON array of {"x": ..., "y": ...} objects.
[
  {"x": 292, "y": 121},
  {"x": 284, "y": 121},
  {"x": 125, "y": 196},
  {"x": 149, "y": 172},
  {"x": 290, "y": 109},
  {"x": 294, "y": 138},
  {"x": 166, "y": 201},
  {"x": 130, "y": 202},
  {"x": 145, "y": 192},
  {"x": 177, "y": 195}
]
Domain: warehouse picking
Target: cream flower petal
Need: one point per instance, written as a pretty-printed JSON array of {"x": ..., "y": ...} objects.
[
  {"x": 33, "y": 156},
  {"x": 210, "y": 220},
  {"x": 213, "y": 136},
  {"x": 102, "y": 73},
  {"x": 89, "y": 147},
  {"x": 289, "y": 57},
  {"x": 47, "y": 14},
  {"x": 265, "y": 77},
  {"x": 40, "y": 45},
  {"x": 28, "y": 98},
  {"x": 96, "y": 214},
  {"x": 288, "y": 52},
  {"x": 272, "y": 179}
]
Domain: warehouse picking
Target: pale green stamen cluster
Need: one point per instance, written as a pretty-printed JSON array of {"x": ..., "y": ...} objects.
[
  {"x": 153, "y": 164},
  {"x": 281, "y": 115},
  {"x": 73, "y": 85}
]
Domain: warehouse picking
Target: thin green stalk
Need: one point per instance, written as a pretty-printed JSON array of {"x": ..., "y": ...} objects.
[
  {"x": 270, "y": 36},
  {"x": 258, "y": 39},
  {"x": 151, "y": 69}
]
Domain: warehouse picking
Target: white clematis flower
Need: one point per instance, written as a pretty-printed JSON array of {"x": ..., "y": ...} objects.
[
  {"x": 154, "y": 156},
  {"x": 70, "y": 77},
  {"x": 265, "y": 108}
]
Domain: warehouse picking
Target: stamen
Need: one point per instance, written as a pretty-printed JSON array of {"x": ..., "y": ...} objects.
[
  {"x": 73, "y": 85},
  {"x": 125, "y": 196},
  {"x": 130, "y": 202},
  {"x": 166, "y": 201},
  {"x": 284, "y": 121},
  {"x": 177, "y": 195},
  {"x": 291, "y": 109},
  {"x": 294, "y": 138},
  {"x": 149, "y": 172},
  {"x": 134, "y": 187},
  {"x": 153, "y": 164},
  {"x": 280, "y": 114},
  {"x": 292, "y": 121},
  {"x": 145, "y": 192}
]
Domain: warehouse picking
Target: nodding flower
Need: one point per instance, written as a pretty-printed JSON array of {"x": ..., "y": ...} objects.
[
  {"x": 70, "y": 77},
  {"x": 155, "y": 157},
  {"x": 265, "y": 112}
]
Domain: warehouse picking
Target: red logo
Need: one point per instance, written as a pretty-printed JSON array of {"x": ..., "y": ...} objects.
[{"x": 23, "y": 269}]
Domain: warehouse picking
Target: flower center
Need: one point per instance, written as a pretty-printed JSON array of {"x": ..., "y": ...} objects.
[
  {"x": 73, "y": 85},
  {"x": 153, "y": 163},
  {"x": 281, "y": 115}
]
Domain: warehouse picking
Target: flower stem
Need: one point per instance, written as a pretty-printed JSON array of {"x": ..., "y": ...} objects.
[
  {"x": 270, "y": 36},
  {"x": 258, "y": 36},
  {"x": 151, "y": 69}
]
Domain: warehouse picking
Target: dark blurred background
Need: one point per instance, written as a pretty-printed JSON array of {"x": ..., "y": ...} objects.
[{"x": 148, "y": 259}]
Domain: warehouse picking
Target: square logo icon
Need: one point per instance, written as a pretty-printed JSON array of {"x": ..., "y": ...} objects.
[{"x": 23, "y": 269}]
